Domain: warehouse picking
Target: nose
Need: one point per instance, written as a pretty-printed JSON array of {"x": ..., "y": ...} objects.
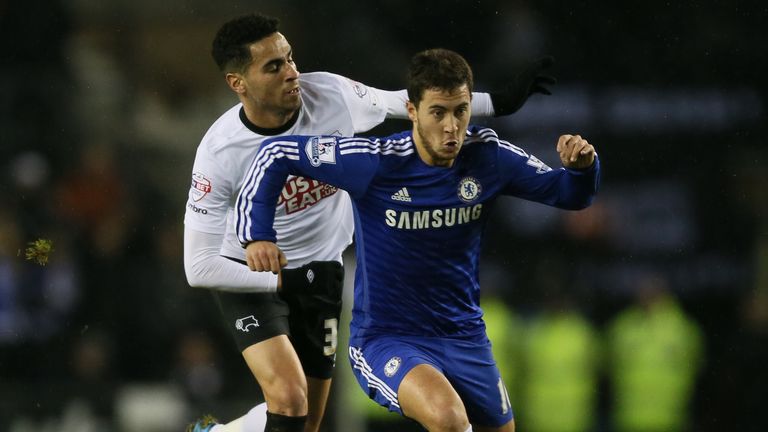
[
  {"x": 292, "y": 72},
  {"x": 451, "y": 124}
]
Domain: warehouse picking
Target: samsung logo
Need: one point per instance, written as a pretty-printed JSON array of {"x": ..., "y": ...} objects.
[{"x": 436, "y": 218}]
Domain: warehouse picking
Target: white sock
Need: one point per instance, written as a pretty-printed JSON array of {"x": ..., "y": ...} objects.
[{"x": 254, "y": 421}]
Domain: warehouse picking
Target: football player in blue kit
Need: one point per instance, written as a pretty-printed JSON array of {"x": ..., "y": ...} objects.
[{"x": 421, "y": 201}]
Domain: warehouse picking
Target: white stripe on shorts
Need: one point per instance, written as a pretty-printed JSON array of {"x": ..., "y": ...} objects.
[{"x": 356, "y": 354}]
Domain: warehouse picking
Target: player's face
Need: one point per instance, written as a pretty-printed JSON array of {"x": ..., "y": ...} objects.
[
  {"x": 271, "y": 80},
  {"x": 440, "y": 124}
]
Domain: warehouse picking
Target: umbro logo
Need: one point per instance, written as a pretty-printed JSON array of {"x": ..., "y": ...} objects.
[{"x": 401, "y": 195}]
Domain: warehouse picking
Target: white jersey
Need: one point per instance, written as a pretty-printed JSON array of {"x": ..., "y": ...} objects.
[{"x": 313, "y": 220}]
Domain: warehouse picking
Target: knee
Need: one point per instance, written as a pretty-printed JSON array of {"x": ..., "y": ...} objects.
[
  {"x": 286, "y": 397},
  {"x": 446, "y": 417}
]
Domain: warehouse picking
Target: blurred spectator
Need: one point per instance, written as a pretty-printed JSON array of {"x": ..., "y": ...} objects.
[
  {"x": 505, "y": 331},
  {"x": 655, "y": 357},
  {"x": 561, "y": 360},
  {"x": 196, "y": 369}
]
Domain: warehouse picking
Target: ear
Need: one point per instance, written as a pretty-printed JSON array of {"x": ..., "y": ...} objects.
[
  {"x": 235, "y": 82},
  {"x": 411, "y": 111}
]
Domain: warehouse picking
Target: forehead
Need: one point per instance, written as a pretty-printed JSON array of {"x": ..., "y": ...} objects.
[
  {"x": 269, "y": 48},
  {"x": 446, "y": 98}
]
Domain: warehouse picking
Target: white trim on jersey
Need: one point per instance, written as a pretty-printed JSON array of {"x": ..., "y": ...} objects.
[
  {"x": 487, "y": 134},
  {"x": 401, "y": 147},
  {"x": 356, "y": 354},
  {"x": 287, "y": 149}
]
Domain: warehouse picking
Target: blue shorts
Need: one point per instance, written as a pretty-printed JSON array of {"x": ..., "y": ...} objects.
[{"x": 380, "y": 364}]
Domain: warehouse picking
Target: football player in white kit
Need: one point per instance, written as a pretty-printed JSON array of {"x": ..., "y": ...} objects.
[{"x": 285, "y": 324}]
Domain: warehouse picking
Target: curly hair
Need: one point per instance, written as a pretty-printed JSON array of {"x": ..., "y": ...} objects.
[
  {"x": 230, "y": 46},
  {"x": 437, "y": 68}
]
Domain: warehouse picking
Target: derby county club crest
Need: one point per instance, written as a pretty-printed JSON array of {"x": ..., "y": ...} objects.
[{"x": 469, "y": 189}]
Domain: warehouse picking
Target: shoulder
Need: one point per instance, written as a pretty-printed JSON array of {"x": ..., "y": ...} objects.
[
  {"x": 389, "y": 150},
  {"x": 321, "y": 81},
  {"x": 480, "y": 139},
  {"x": 480, "y": 134},
  {"x": 226, "y": 143},
  {"x": 223, "y": 131},
  {"x": 487, "y": 140},
  {"x": 397, "y": 145},
  {"x": 331, "y": 82}
]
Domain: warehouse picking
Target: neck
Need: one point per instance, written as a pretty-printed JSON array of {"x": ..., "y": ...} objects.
[{"x": 267, "y": 119}]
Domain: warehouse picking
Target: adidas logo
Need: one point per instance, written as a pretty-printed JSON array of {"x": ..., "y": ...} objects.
[{"x": 401, "y": 195}]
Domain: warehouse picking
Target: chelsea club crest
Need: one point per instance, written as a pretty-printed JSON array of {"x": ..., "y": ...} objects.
[
  {"x": 469, "y": 189},
  {"x": 392, "y": 366}
]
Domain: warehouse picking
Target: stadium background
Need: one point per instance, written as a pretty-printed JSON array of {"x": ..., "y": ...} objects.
[{"x": 102, "y": 105}]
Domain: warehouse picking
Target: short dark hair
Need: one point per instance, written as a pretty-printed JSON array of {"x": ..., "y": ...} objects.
[
  {"x": 230, "y": 46},
  {"x": 437, "y": 68}
]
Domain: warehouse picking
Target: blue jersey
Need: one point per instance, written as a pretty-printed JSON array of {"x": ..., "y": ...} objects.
[{"x": 418, "y": 228}]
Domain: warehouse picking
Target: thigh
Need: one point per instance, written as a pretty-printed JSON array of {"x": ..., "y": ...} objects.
[
  {"x": 471, "y": 369},
  {"x": 426, "y": 396},
  {"x": 274, "y": 364},
  {"x": 252, "y": 317},
  {"x": 380, "y": 364},
  {"x": 313, "y": 322}
]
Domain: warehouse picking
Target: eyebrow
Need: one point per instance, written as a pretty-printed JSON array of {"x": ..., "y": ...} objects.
[
  {"x": 277, "y": 61},
  {"x": 461, "y": 105}
]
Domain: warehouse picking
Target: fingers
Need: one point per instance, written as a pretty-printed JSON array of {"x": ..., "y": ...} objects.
[
  {"x": 575, "y": 151},
  {"x": 274, "y": 262},
  {"x": 561, "y": 142},
  {"x": 264, "y": 256}
]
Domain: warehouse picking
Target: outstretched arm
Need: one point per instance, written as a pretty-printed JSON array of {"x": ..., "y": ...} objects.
[
  {"x": 348, "y": 163},
  {"x": 395, "y": 101},
  {"x": 572, "y": 187},
  {"x": 534, "y": 78}
]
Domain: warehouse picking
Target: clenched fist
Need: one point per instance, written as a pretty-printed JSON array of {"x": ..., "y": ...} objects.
[{"x": 575, "y": 152}]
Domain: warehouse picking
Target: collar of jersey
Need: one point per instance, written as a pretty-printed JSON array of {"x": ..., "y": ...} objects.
[{"x": 267, "y": 131}]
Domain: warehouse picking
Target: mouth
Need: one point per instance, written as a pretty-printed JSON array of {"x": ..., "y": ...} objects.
[
  {"x": 294, "y": 91},
  {"x": 451, "y": 144}
]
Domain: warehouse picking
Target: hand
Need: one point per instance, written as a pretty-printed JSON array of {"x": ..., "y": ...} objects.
[
  {"x": 318, "y": 278},
  {"x": 531, "y": 80},
  {"x": 575, "y": 152},
  {"x": 264, "y": 256}
]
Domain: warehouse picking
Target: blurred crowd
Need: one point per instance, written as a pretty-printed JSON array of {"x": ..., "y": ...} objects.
[{"x": 647, "y": 312}]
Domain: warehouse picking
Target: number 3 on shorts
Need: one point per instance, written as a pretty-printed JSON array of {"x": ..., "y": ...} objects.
[{"x": 331, "y": 336}]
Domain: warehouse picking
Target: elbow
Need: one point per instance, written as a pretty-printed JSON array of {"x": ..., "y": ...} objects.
[
  {"x": 194, "y": 277},
  {"x": 194, "y": 281}
]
